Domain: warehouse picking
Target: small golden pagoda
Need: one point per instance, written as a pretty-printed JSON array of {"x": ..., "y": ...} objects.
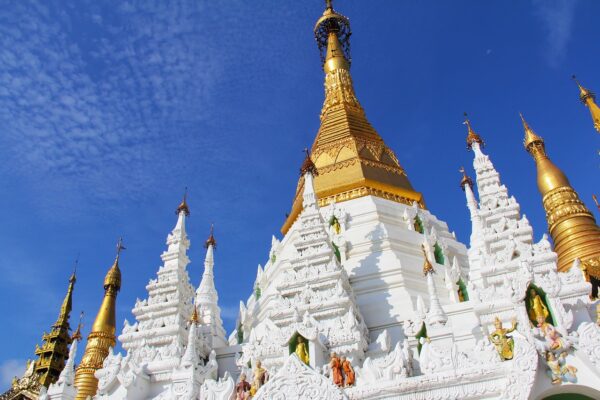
[
  {"x": 102, "y": 336},
  {"x": 351, "y": 158},
  {"x": 54, "y": 351},
  {"x": 588, "y": 98},
  {"x": 570, "y": 223}
]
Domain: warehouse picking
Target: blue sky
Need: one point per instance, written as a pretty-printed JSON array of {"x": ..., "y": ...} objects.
[{"x": 109, "y": 109}]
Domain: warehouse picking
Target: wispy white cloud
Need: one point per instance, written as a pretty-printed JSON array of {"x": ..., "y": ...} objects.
[
  {"x": 557, "y": 20},
  {"x": 8, "y": 370},
  {"x": 91, "y": 104}
]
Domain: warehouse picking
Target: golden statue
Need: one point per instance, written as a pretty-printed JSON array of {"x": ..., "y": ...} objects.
[
  {"x": 504, "y": 344},
  {"x": 536, "y": 307},
  {"x": 302, "y": 350},
  {"x": 260, "y": 377}
]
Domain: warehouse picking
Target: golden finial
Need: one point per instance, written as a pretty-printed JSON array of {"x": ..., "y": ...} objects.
[
  {"x": 472, "y": 137},
  {"x": 77, "y": 334},
  {"x": 427, "y": 267},
  {"x": 532, "y": 140},
  {"x": 584, "y": 94},
  {"x": 113, "y": 276},
  {"x": 73, "y": 277},
  {"x": 328, "y": 4},
  {"x": 211, "y": 238},
  {"x": 587, "y": 97},
  {"x": 596, "y": 201},
  {"x": 183, "y": 205},
  {"x": 195, "y": 318},
  {"x": 466, "y": 180},
  {"x": 308, "y": 165}
]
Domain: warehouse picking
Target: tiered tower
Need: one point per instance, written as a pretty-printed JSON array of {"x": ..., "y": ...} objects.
[
  {"x": 207, "y": 298},
  {"x": 588, "y": 98},
  {"x": 571, "y": 225},
  {"x": 54, "y": 351},
  {"x": 102, "y": 335},
  {"x": 352, "y": 159}
]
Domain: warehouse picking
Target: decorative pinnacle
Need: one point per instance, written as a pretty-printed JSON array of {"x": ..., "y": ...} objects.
[
  {"x": 596, "y": 201},
  {"x": 308, "y": 165},
  {"x": 113, "y": 276},
  {"x": 466, "y": 180},
  {"x": 73, "y": 277},
  {"x": 531, "y": 139},
  {"x": 427, "y": 267},
  {"x": 183, "y": 205},
  {"x": 584, "y": 94},
  {"x": 472, "y": 137},
  {"x": 328, "y": 4},
  {"x": 195, "y": 318},
  {"x": 120, "y": 247},
  {"x": 77, "y": 334},
  {"x": 211, "y": 238}
]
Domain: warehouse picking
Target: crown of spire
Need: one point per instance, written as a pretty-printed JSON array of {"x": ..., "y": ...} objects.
[
  {"x": 308, "y": 165},
  {"x": 195, "y": 318},
  {"x": 332, "y": 33},
  {"x": 588, "y": 98},
  {"x": 183, "y": 206},
  {"x": 465, "y": 180},
  {"x": 211, "y": 238},
  {"x": 596, "y": 201},
  {"x": 427, "y": 267},
  {"x": 113, "y": 276},
  {"x": 532, "y": 141},
  {"x": 77, "y": 334},
  {"x": 472, "y": 137}
]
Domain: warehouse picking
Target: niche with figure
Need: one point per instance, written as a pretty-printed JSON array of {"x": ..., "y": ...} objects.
[{"x": 537, "y": 306}]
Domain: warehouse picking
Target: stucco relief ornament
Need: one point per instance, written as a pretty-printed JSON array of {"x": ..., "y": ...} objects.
[
  {"x": 589, "y": 337},
  {"x": 524, "y": 367},
  {"x": 296, "y": 381},
  {"x": 218, "y": 390}
]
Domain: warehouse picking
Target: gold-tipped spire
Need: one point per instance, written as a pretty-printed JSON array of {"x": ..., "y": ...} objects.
[
  {"x": 211, "y": 241},
  {"x": 595, "y": 198},
  {"x": 427, "y": 267},
  {"x": 102, "y": 335},
  {"x": 77, "y": 334},
  {"x": 308, "y": 165},
  {"x": 571, "y": 225},
  {"x": 53, "y": 352},
  {"x": 588, "y": 98},
  {"x": 183, "y": 206},
  {"x": 351, "y": 158},
  {"x": 195, "y": 318},
  {"x": 465, "y": 180},
  {"x": 472, "y": 137}
]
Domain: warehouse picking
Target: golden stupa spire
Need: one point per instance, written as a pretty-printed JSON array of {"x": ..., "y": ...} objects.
[
  {"x": 465, "y": 180},
  {"x": 588, "y": 98},
  {"x": 211, "y": 241},
  {"x": 102, "y": 335},
  {"x": 350, "y": 156},
  {"x": 53, "y": 352},
  {"x": 571, "y": 225}
]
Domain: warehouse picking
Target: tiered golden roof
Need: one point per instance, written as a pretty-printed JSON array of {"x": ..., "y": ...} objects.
[
  {"x": 54, "y": 351},
  {"x": 102, "y": 335},
  {"x": 351, "y": 158},
  {"x": 570, "y": 223},
  {"x": 588, "y": 98}
]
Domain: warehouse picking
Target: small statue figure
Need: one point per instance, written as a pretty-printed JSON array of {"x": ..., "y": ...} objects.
[
  {"x": 553, "y": 338},
  {"x": 260, "y": 377},
  {"x": 349, "y": 376},
  {"x": 302, "y": 351},
  {"x": 558, "y": 370},
  {"x": 536, "y": 307},
  {"x": 504, "y": 344},
  {"x": 242, "y": 389},
  {"x": 336, "y": 370}
]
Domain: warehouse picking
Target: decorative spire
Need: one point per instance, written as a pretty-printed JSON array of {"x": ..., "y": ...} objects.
[
  {"x": 472, "y": 137},
  {"x": 211, "y": 238},
  {"x": 308, "y": 165},
  {"x": 465, "y": 180},
  {"x": 183, "y": 206},
  {"x": 588, "y": 98},
  {"x": 363, "y": 165},
  {"x": 53, "y": 353},
  {"x": 571, "y": 225},
  {"x": 102, "y": 335},
  {"x": 427, "y": 267},
  {"x": 596, "y": 201},
  {"x": 195, "y": 319},
  {"x": 77, "y": 334},
  {"x": 533, "y": 143}
]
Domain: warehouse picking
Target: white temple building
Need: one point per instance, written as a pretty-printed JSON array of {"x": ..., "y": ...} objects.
[{"x": 367, "y": 272}]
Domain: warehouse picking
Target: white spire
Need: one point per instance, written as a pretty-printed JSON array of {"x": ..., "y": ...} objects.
[
  {"x": 190, "y": 357},
  {"x": 64, "y": 389},
  {"x": 207, "y": 298},
  {"x": 309, "y": 196},
  {"x": 435, "y": 315}
]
